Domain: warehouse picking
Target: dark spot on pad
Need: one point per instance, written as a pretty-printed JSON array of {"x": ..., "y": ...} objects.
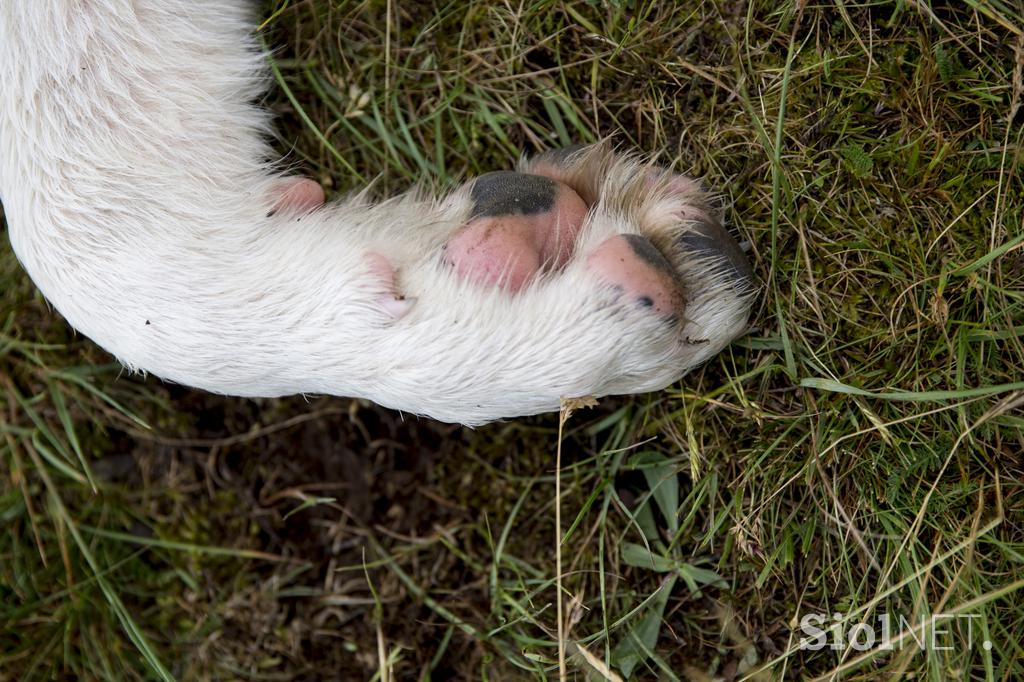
[
  {"x": 712, "y": 240},
  {"x": 504, "y": 193},
  {"x": 646, "y": 301},
  {"x": 649, "y": 253}
]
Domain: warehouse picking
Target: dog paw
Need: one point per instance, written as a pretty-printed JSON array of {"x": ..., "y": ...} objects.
[
  {"x": 583, "y": 272},
  {"x": 670, "y": 211},
  {"x": 649, "y": 234}
]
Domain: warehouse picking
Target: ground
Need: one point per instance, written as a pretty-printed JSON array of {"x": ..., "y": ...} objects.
[{"x": 856, "y": 457}]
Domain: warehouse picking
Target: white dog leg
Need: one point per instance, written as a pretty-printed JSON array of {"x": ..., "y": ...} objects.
[{"x": 135, "y": 179}]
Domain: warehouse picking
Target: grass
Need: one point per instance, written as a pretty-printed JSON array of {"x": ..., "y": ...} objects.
[{"x": 858, "y": 454}]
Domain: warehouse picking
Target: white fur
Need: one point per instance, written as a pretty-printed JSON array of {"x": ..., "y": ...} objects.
[{"x": 134, "y": 174}]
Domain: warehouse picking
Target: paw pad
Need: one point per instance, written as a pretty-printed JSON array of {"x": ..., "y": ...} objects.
[
  {"x": 519, "y": 224},
  {"x": 634, "y": 265}
]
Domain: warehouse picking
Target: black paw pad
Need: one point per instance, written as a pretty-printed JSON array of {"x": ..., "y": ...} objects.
[
  {"x": 504, "y": 193},
  {"x": 710, "y": 239}
]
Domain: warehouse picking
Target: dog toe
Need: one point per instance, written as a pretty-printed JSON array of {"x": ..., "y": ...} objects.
[{"x": 710, "y": 239}]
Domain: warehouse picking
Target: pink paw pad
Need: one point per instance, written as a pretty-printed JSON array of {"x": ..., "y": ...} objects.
[
  {"x": 296, "y": 195},
  {"x": 520, "y": 224},
  {"x": 634, "y": 265},
  {"x": 390, "y": 301}
]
